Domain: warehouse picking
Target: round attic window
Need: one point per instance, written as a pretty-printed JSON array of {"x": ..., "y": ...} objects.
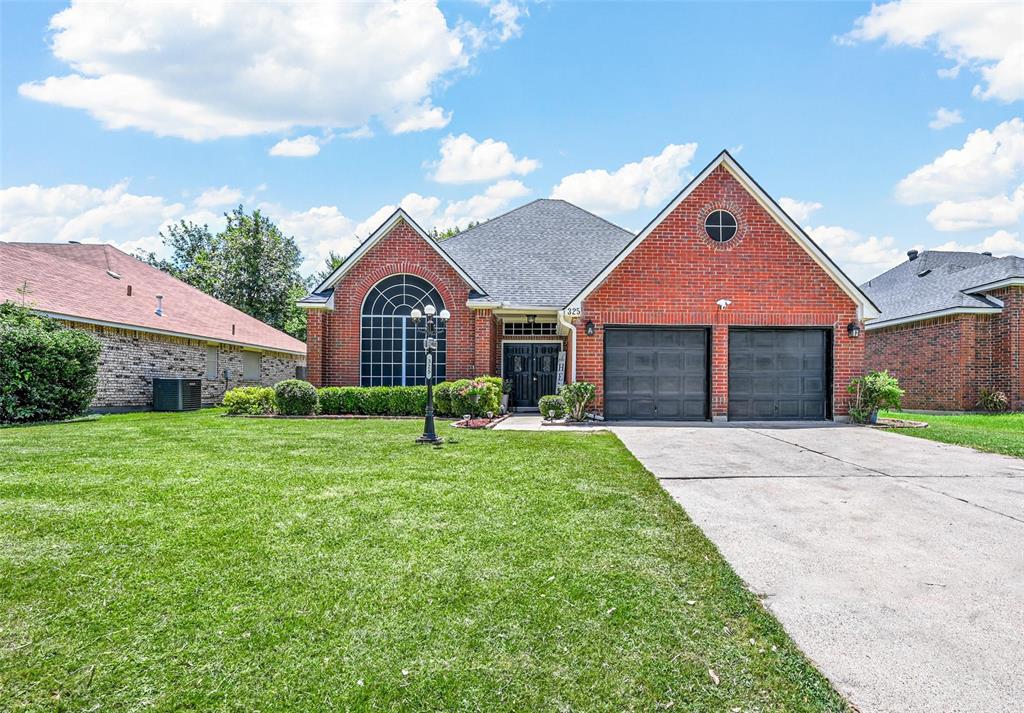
[{"x": 720, "y": 226}]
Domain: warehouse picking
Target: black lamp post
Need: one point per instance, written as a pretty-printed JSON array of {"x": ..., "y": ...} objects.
[{"x": 430, "y": 347}]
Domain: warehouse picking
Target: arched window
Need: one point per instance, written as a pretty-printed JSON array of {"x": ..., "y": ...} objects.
[{"x": 391, "y": 352}]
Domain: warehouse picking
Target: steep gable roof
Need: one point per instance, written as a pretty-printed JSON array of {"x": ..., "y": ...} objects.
[
  {"x": 540, "y": 254},
  {"x": 941, "y": 282},
  {"x": 865, "y": 307},
  {"x": 321, "y": 293},
  {"x": 89, "y": 283}
]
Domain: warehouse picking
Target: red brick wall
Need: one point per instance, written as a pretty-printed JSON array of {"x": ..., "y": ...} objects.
[
  {"x": 676, "y": 275},
  {"x": 334, "y": 341},
  {"x": 944, "y": 363}
]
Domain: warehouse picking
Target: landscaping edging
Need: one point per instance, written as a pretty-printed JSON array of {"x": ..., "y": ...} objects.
[
  {"x": 886, "y": 424},
  {"x": 329, "y": 417},
  {"x": 491, "y": 423}
]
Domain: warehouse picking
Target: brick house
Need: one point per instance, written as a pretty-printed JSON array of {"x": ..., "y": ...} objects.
[
  {"x": 722, "y": 307},
  {"x": 952, "y": 324},
  {"x": 148, "y": 323}
]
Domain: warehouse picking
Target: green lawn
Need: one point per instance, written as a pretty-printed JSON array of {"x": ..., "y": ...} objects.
[
  {"x": 996, "y": 433},
  {"x": 190, "y": 561}
]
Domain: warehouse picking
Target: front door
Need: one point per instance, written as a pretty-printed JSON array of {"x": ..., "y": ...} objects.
[{"x": 533, "y": 369}]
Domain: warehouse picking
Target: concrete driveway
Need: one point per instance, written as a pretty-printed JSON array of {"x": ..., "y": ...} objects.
[{"x": 897, "y": 564}]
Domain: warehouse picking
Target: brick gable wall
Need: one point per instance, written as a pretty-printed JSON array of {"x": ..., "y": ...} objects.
[
  {"x": 676, "y": 275},
  {"x": 334, "y": 337},
  {"x": 944, "y": 363}
]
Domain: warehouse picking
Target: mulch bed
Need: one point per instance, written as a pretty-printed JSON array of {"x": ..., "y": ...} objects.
[
  {"x": 887, "y": 423},
  {"x": 479, "y": 422}
]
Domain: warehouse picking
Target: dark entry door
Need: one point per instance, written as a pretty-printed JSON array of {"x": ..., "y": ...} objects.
[
  {"x": 778, "y": 374},
  {"x": 533, "y": 369},
  {"x": 656, "y": 373}
]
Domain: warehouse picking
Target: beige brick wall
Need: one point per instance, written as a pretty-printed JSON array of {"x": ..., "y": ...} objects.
[{"x": 129, "y": 360}]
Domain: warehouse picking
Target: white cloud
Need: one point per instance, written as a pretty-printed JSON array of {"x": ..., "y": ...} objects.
[
  {"x": 466, "y": 160},
  {"x": 57, "y": 214},
  {"x": 506, "y": 16},
  {"x": 800, "y": 211},
  {"x": 425, "y": 210},
  {"x": 203, "y": 69},
  {"x": 985, "y": 37},
  {"x": 648, "y": 182},
  {"x": 317, "y": 232},
  {"x": 860, "y": 257},
  {"x": 995, "y": 212},
  {"x": 219, "y": 197},
  {"x": 302, "y": 147},
  {"x": 363, "y": 132},
  {"x": 988, "y": 162},
  {"x": 945, "y": 118},
  {"x": 1000, "y": 243}
]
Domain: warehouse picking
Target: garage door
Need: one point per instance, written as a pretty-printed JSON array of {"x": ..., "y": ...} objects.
[
  {"x": 777, "y": 374},
  {"x": 655, "y": 373}
]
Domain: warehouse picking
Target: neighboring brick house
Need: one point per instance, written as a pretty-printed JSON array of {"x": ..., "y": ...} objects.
[
  {"x": 183, "y": 333},
  {"x": 722, "y": 307},
  {"x": 952, "y": 324}
]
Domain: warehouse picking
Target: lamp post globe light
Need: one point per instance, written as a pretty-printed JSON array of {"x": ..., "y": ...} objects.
[{"x": 430, "y": 325}]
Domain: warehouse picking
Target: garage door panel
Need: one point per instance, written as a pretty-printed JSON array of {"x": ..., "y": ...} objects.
[
  {"x": 777, "y": 374},
  {"x": 656, "y": 373}
]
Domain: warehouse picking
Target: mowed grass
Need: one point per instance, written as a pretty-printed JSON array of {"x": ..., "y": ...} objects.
[
  {"x": 996, "y": 433},
  {"x": 196, "y": 562}
]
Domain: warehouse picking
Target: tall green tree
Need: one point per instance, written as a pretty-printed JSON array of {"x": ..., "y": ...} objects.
[
  {"x": 331, "y": 263},
  {"x": 250, "y": 265}
]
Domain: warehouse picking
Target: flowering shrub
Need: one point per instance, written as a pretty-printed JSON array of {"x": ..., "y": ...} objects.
[
  {"x": 476, "y": 396},
  {"x": 873, "y": 391}
]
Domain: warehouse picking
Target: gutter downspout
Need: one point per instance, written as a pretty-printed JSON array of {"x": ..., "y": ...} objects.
[{"x": 572, "y": 343}]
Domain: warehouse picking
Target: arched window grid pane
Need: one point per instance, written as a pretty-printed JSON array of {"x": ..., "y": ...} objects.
[{"x": 391, "y": 346}]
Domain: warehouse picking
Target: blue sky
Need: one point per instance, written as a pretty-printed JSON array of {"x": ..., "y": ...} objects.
[{"x": 114, "y": 125}]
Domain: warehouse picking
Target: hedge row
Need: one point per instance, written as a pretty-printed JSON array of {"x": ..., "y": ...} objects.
[{"x": 451, "y": 398}]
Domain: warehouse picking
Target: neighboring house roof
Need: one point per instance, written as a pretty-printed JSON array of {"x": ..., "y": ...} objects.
[
  {"x": 89, "y": 283},
  {"x": 538, "y": 255},
  {"x": 940, "y": 282},
  {"x": 866, "y": 309}
]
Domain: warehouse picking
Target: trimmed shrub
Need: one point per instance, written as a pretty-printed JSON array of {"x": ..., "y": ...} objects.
[
  {"x": 47, "y": 371},
  {"x": 249, "y": 400},
  {"x": 295, "y": 397},
  {"x": 551, "y": 406},
  {"x": 443, "y": 399},
  {"x": 577, "y": 397},
  {"x": 337, "y": 400},
  {"x": 373, "y": 400}
]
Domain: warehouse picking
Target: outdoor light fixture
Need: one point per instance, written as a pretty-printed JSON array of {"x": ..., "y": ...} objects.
[
  {"x": 590, "y": 328},
  {"x": 853, "y": 329},
  {"x": 531, "y": 318},
  {"x": 430, "y": 327}
]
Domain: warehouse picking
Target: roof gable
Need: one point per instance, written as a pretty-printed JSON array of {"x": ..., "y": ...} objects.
[
  {"x": 395, "y": 218},
  {"x": 865, "y": 307}
]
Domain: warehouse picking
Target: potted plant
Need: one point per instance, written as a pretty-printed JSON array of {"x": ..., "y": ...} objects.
[
  {"x": 873, "y": 391},
  {"x": 506, "y": 394}
]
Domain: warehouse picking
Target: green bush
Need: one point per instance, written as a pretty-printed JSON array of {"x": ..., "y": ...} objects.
[
  {"x": 336, "y": 400},
  {"x": 443, "y": 399},
  {"x": 577, "y": 397},
  {"x": 551, "y": 406},
  {"x": 993, "y": 400},
  {"x": 373, "y": 400},
  {"x": 873, "y": 391},
  {"x": 476, "y": 396},
  {"x": 250, "y": 400},
  {"x": 295, "y": 397},
  {"x": 47, "y": 372}
]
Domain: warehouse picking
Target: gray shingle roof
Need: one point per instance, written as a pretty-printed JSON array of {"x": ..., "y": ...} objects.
[
  {"x": 540, "y": 254},
  {"x": 939, "y": 280}
]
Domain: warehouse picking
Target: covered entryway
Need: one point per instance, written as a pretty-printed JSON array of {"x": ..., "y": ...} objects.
[
  {"x": 656, "y": 373},
  {"x": 533, "y": 368},
  {"x": 778, "y": 374}
]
